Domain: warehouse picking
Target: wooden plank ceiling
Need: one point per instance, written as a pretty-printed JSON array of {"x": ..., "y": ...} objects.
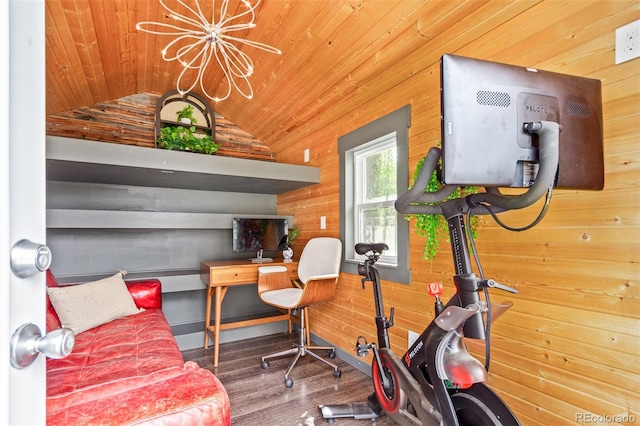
[{"x": 331, "y": 50}]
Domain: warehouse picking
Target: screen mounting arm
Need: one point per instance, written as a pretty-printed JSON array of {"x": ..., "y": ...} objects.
[
  {"x": 426, "y": 202},
  {"x": 417, "y": 201},
  {"x": 549, "y": 136}
]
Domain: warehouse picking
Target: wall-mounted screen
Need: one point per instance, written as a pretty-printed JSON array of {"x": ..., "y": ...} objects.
[
  {"x": 484, "y": 107},
  {"x": 255, "y": 234}
]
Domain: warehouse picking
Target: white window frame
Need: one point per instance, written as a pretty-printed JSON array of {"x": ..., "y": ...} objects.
[{"x": 360, "y": 204}]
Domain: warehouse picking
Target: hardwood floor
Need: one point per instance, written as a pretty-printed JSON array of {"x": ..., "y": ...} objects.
[{"x": 259, "y": 397}]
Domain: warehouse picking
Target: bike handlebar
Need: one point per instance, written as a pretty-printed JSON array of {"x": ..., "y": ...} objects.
[{"x": 417, "y": 201}]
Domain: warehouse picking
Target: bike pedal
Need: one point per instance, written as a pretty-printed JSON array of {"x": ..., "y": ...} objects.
[{"x": 362, "y": 347}]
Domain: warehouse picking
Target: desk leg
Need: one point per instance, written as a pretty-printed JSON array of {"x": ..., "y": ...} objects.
[
  {"x": 220, "y": 292},
  {"x": 207, "y": 316}
]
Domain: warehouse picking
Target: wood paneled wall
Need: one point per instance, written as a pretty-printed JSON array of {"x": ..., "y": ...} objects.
[{"x": 570, "y": 345}]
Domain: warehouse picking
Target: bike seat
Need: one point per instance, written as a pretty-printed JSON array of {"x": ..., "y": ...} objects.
[{"x": 362, "y": 248}]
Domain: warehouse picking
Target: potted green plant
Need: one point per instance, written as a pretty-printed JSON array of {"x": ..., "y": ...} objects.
[
  {"x": 182, "y": 138},
  {"x": 433, "y": 227},
  {"x": 291, "y": 236},
  {"x": 185, "y": 115}
]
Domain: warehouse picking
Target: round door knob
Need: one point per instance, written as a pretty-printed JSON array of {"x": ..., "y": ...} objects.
[
  {"x": 27, "y": 342},
  {"x": 29, "y": 258}
]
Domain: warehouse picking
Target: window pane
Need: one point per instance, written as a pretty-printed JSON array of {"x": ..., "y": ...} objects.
[
  {"x": 380, "y": 175},
  {"x": 378, "y": 225},
  {"x": 375, "y": 218}
]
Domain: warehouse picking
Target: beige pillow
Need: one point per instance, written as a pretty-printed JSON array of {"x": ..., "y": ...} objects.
[{"x": 84, "y": 306}]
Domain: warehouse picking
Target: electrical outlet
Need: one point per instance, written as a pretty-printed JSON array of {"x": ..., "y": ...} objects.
[
  {"x": 323, "y": 222},
  {"x": 628, "y": 42},
  {"x": 306, "y": 155},
  {"x": 411, "y": 337}
]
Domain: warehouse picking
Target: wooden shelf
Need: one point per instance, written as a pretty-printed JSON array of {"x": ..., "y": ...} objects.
[
  {"x": 173, "y": 280},
  {"x": 117, "y": 219},
  {"x": 78, "y": 160}
]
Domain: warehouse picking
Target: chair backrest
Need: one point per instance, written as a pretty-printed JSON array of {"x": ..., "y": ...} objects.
[{"x": 321, "y": 256}]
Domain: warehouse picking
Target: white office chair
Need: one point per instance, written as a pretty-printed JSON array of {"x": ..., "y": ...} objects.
[{"x": 318, "y": 271}]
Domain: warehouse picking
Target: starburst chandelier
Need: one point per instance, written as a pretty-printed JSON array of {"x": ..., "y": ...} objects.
[{"x": 199, "y": 40}]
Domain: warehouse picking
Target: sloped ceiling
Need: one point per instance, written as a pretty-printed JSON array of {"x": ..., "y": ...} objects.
[{"x": 331, "y": 50}]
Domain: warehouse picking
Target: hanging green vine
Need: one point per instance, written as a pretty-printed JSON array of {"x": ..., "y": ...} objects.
[{"x": 434, "y": 226}]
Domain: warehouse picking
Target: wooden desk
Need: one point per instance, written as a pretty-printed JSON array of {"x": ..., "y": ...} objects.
[{"x": 219, "y": 276}]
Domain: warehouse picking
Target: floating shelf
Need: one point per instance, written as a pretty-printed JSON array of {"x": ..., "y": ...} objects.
[
  {"x": 79, "y": 160},
  {"x": 117, "y": 219},
  {"x": 173, "y": 280}
]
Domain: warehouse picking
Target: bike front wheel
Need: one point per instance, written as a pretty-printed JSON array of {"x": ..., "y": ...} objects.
[{"x": 478, "y": 405}]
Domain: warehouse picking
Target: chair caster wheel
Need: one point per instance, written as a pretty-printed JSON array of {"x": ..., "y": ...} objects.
[
  {"x": 332, "y": 354},
  {"x": 288, "y": 382},
  {"x": 337, "y": 374},
  {"x": 264, "y": 365}
]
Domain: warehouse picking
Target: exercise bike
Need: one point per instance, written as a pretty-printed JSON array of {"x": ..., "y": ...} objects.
[{"x": 437, "y": 381}]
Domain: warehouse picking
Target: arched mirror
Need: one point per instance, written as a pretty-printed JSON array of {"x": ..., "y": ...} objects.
[{"x": 189, "y": 110}]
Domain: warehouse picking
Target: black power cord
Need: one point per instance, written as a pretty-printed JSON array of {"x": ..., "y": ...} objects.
[
  {"x": 472, "y": 243},
  {"x": 487, "y": 348},
  {"x": 537, "y": 220}
]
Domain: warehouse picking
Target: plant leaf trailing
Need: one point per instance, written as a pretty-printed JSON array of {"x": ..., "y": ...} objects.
[
  {"x": 186, "y": 139},
  {"x": 434, "y": 226}
]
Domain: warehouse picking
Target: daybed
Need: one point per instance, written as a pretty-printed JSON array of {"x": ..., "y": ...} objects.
[{"x": 127, "y": 371}]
